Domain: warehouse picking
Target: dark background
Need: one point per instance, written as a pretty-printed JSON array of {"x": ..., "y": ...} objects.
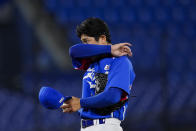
[{"x": 35, "y": 36}]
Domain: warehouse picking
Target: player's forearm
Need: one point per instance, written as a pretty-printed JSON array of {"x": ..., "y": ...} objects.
[
  {"x": 104, "y": 99},
  {"x": 88, "y": 50}
]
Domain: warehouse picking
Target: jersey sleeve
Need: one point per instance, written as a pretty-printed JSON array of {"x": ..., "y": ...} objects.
[
  {"x": 121, "y": 74},
  {"x": 83, "y": 54},
  {"x": 102, "y": 100}
]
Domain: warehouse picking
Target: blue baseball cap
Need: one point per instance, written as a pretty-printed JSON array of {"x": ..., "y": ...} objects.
[{"x": 51, "y": 98}]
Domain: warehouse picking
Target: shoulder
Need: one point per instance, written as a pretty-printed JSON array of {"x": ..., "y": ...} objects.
[{"x": 122, "y": 61}]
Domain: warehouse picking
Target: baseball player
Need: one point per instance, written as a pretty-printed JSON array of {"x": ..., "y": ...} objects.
[{"x": 107, "y": 81}]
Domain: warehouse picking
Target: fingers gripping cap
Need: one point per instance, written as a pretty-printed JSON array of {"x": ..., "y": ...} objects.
[{"x": 51, "y": 98}]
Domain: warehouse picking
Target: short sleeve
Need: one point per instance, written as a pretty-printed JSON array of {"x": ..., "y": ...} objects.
[{"x": 121, "y": 74}]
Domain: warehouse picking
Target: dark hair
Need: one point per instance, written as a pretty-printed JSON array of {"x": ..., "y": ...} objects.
[{"x": 93, "y": 27}]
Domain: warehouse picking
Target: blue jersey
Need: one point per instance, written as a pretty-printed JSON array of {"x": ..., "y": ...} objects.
[{"x": 120, "y": 75}]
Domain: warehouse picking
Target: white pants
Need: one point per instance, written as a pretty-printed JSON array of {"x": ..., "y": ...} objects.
[{"x": 111, "y": 124}]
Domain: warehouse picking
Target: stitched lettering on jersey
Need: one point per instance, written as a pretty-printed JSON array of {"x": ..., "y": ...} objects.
[{"x": 90, "y": 77}]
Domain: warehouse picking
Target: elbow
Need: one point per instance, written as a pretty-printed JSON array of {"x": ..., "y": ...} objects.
[
  {"x": 72, "y": 51},
  {"x": 114, "y": 95},
  {"x": 116, "y": 99}
]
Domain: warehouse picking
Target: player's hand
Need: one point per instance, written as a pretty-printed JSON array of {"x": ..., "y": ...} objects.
[
  {"x": 121, "y": 49},
  {"x": 71, "y": 105}
]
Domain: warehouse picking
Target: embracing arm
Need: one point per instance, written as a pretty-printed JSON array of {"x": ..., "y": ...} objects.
[
  {"x": 104, "y": 99},
  {"x": 84, "y": 54},
  {"x": 89, "y": 50}
]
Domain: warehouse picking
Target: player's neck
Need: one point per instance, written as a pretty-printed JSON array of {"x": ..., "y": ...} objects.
[{"x": 107, "y": 43}]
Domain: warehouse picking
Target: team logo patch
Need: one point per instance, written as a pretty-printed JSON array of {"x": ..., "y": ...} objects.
[{"x": 107, "y": 67}]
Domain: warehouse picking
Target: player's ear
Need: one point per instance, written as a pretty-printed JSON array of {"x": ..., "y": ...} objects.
[{"x": 102, "y": 39}]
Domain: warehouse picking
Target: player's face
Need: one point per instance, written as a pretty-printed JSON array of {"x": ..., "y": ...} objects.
[{"x": 91, "y": 40}]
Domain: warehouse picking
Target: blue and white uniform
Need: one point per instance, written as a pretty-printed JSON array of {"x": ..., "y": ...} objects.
[{"x": 120, "y": 75}]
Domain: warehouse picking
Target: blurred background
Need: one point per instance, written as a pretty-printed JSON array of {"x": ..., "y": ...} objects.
[{"x": 35, "y": 36}]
